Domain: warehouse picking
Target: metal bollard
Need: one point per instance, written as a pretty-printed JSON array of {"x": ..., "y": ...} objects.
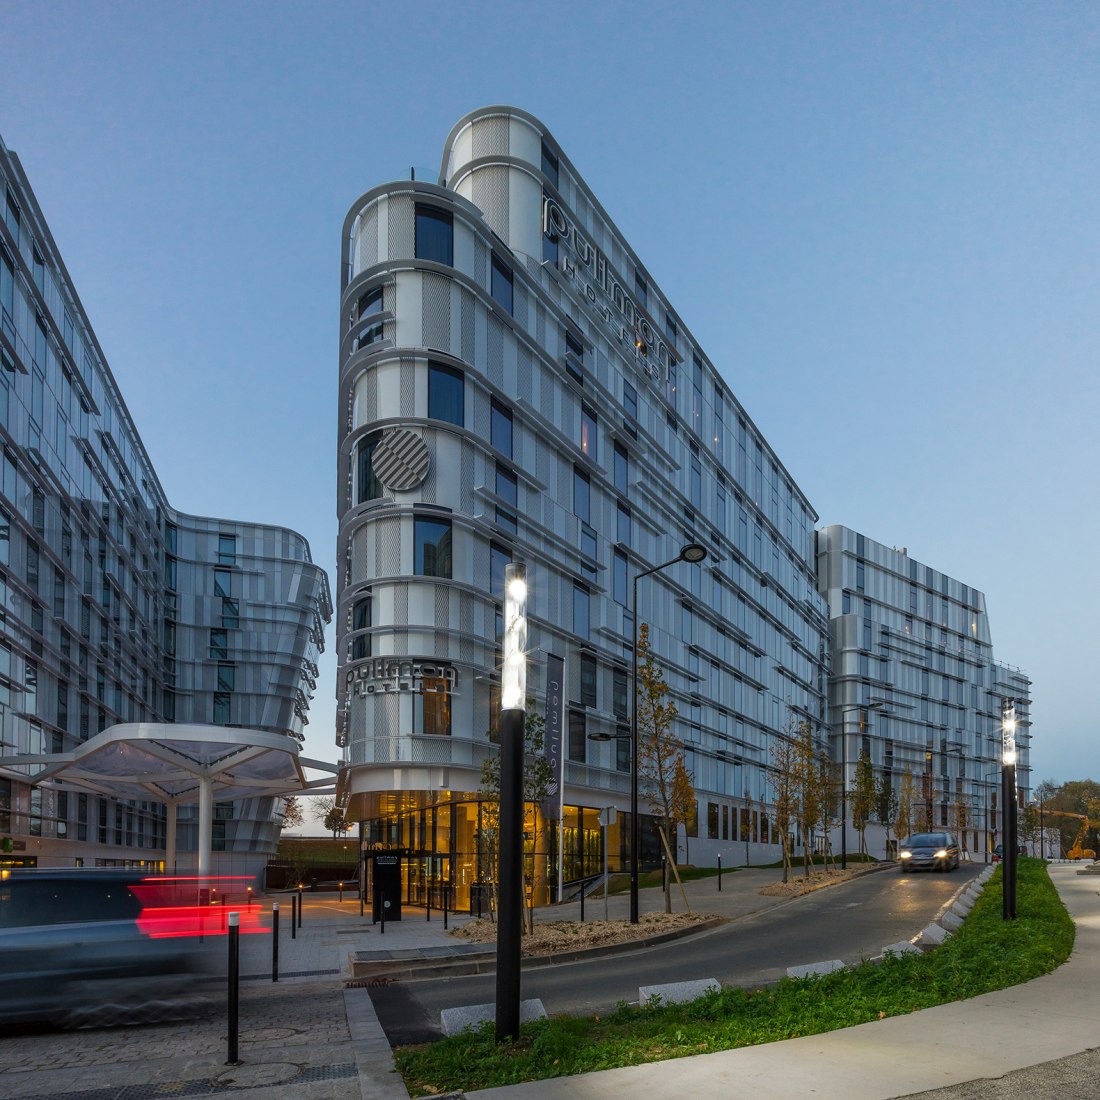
[
  {"x": 234, "y": 986},
  {"x": 446, "y": 899},
  {"x": 382, "y": 909},
  {"x": 582, "y": 901},
  {"x": 275, "y": 942},
  {"x": 719, "y": 874},
  {"x": 341, "y": 893},
  {"x": 428, "y": 907},
  {"x": 293, "y": 916},
  {"x": 301, "y": 906}
]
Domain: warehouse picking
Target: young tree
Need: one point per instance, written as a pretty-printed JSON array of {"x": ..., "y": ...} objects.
[
  {"x": 293, "y": 818},
  {"x": 886, "y": 805},
  {"x": 661, "y": 756},
  {"x": 828, "y": 781},
  {"x": 538, "y": 779},
  {"x": 903, "y": 819},
  {"x": 784, "y": 753},
  {"x": 863, "y": 798},
  {"x": 960, "y": 812},
  {"x": 810, "y": 794}
]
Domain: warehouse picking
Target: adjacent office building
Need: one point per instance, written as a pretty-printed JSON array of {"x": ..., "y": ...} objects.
[
  {"x": 115, "y": 607},
  {"x": 916, "y": 687},
  {"x": 514, "y": 385}
]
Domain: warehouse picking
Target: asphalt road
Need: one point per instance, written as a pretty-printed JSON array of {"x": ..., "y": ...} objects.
[{"x": 850, "y": 922}]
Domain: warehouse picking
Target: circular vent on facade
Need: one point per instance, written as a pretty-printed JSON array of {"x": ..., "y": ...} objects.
[{"x": 401, "y": 460}]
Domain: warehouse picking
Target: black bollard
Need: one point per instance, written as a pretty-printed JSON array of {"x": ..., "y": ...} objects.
[
  {"x": 382, "y": 910},
  {"x": 719, "y": 874},
  {"x": 428, "y": 907},
  {"x": 446, "y": 899},
  {"x": 234, "y": 986},
  {"x": 341, "y": 893},
  {"x": 293, "y": 916},
  {"x": 300, "y": 907},
  {"x": 582, "y": 900},
  {"x": 275, "y": 942}
]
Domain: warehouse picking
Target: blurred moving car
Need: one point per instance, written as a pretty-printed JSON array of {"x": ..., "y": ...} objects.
[
  {"x": 85, "y": 948},
  {"x": 928, "y": 851}
]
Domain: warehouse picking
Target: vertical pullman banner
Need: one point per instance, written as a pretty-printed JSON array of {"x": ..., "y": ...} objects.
[
  {"x": 555, "y": 695},
  {"x": 555, "y": 715}
]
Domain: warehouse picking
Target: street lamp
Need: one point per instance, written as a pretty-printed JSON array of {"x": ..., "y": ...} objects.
[
  {"x": 879, "y": 705},
  {"x": 692, "y": 553},
  {"x": 1008, "y": 796}
]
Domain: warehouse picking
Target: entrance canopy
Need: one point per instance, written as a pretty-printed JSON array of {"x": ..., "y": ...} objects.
[{"x": 178, "y": 763}]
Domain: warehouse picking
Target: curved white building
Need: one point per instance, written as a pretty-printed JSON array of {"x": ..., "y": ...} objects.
[{"x": 514, "y": 385}]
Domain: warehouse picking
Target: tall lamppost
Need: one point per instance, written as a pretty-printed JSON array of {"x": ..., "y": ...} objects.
[
  {"x": 1008, "y": 797},
  {"x": 513, "y": 700},
  {"x": 693, "y": 553},
  {"x": 879, "y": 705}
]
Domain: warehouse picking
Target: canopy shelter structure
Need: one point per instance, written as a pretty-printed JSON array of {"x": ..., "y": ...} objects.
[{"x": 179, "y": 763}]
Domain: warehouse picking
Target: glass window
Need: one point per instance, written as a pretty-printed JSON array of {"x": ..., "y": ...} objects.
[
  {"x": 630, "y": 400},
  {"x": 695, "y": 488},
  {"x": 227, "y": 677},
  {"x": 361, "y": 621},
  {"x": 433, "y": 547},
  {"x": 549, "y": 164},
  {"x": 622, "y": 749},
  {"x": 219, "y": 643},
  {"x": 223, "y": 582},
  {"x": 589, "y": 443},
  {"x": 231, "y": 613},
  {"x": 435, "y": 235},
  {"x": 582, "y": 495},
  {"x": 221, "y": 708},
  {"x": 501, "y": 285},
  {"x": 641, "y": 289},
  {"x": 618, "y": 692},
  {"x": 501, "y": 429},
  {"x": 432, "y": 708},
  {"x": 622, "y": 469},
  {"x": 370, "y": 302},
  {"x": 588, "y": 680},
  {"x": 446, "y": 399},
  {"x": 581, "y": 610},
  {"x": 499, "y": 557},
  {"x": 227, "y": 549},
  {"x": 507, "y": 489},
  {"x": 372, "y": 334},
  {"x": 589, "y": 545},
  {"x": 622, "y": 532},
  {"x": 370, "y": 488},
  {"x": 618, "y": 577},
  {"x": 578, "y": 736}
]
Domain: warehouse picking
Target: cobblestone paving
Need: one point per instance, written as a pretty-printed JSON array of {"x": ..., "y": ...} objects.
[{"x": 291, "y": 1037}]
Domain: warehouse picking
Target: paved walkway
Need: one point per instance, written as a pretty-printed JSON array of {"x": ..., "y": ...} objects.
[{"x": 307, "y": 1036}]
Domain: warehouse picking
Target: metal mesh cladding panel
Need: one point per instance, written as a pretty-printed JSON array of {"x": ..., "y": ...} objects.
[
  {"x": 490, "y": 137},
  {"x": 368, "y": 240},
  {"x": 437, "y": 311},
  {"x": 387, "y": 548},
  {"x": 442, "y": 606},
  {"x": 402, "y": 235},
  {"x": 407, "y": 388},
  {"x": 467, "y": 307},
  {"x": 490, "y": 193}
]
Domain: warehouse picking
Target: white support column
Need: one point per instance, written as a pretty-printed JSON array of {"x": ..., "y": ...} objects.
[
  {"x": 170, "y": 840},
  {"x": 206, "y": 820}
]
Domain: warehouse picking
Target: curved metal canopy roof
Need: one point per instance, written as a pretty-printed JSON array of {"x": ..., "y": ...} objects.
[{"x": 169, "y": 761}]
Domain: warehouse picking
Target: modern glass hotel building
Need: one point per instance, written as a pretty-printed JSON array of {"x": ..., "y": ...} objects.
[
  {"x": 515, "y": 385},
  {"x": 114, "y": 607}
]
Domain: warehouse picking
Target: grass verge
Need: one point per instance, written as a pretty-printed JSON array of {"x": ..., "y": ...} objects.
[{"x": 987, "y": 953}]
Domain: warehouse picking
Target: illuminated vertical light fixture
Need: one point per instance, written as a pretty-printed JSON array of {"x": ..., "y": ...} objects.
[
  {"x": 513, "y": 699},
  {"x": 1008, "y": 800}
]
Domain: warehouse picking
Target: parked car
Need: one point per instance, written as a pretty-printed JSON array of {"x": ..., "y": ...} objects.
[
  {"x": 998, "y": 852},
  {"x": 928, "y": 851},
  {"x": 92, "y": 947}
]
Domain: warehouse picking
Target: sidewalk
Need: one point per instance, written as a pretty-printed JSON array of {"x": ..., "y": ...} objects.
[{"x": 983, "y": 1038}]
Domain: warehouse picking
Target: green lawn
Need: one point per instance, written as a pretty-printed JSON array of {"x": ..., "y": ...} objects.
[{"x": 987, "y": 953}]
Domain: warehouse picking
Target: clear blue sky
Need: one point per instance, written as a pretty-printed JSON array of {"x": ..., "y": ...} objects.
[{"x": 882, "y": 221}]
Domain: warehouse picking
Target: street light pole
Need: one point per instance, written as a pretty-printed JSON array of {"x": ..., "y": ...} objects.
[
  {"x": 1008, "y": 796},
  {"x": 692, "y": 553}
]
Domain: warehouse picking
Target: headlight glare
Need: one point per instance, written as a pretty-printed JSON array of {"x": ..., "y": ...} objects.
[
  {"x": 941, "y": 854},
  {"x": 906, "y": 855}
]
